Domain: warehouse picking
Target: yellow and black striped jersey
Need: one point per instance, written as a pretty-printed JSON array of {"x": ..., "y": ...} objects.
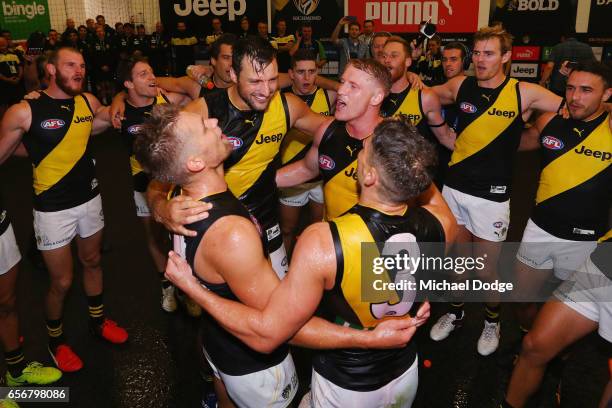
[
  {"x": 250, "y": 170},
  {"x": 575, "y": 187},
  {"x": 57, "y": 144},
  {"x": 296, "y": 143},
  {"x": 130, "y": 126},
  {"x": 408, "y": 102},
  {"x": 338, "y": 167},
  {"x": 9, "y": 64},
  {"x": 348, "y": 304},
  {"x": 488, "y": 134}
]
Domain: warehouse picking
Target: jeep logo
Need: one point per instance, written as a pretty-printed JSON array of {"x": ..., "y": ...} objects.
[
  {"x": 80, "y": 119},
  {"x": 603, "y": 156},
  {"x": 269, "y": 139},
  {"x": 201, "y": 8},
  {"x": 505, "y": 114}
]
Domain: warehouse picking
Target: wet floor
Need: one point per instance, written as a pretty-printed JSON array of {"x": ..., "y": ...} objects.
[{"x": 159, "y": 366}]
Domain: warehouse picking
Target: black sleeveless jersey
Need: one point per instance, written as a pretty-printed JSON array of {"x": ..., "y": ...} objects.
[
  {"x": 409, "y": 103},
  {"x": 227, "y": 352},
  {"x": 489, "y": 129},
  {"x": 57, "y": 144},
  {"x": 368, "y": 370},
  {"x": 4, "y": 221},
  {"x": 338, "y": 167},
  {"x": 130, "y": 126},
  {"x": 575, "y": 187},
  {"x": 256, "y": 137},
  {"x": 208, "y": 87}
]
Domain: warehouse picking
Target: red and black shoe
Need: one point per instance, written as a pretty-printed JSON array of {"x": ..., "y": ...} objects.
[
  {"x": 111, "y": 332},
  {"x": 65, "y": 359}
]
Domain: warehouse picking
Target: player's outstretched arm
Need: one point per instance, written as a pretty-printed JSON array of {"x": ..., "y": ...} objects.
[
  {"x": 15, "y": 122},
  {"x": 433, "y": 112}
]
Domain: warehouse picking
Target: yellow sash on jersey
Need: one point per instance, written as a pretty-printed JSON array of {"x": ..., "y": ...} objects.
[
  {"x": 487, "y": 127},
  {"x": 9, "y": 57},
  {"x": 353, "y": 231},
  {"x": 68, "y": 152},
  {"x": 572, "y": 169},
  {"x": 340, "y": 192},
  {"x": 241, "y": 176},
  {"x": 134, "y": 165},
  {"x": 411, "y": 107},
  {"x": 296, "y": 140}
]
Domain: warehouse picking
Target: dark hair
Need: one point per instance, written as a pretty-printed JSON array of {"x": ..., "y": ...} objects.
[
  {"x": 157, "y": 144},
  {"x": 302, "y": 54},
  {"x": 81, "y": 26},
  {"x": 456, "y": 45},
  {"x": 140, "y": 26},
  {"x": 125, "y": 69},
  {"x": 128, "y": 25},
  {"x": 52, "y": 31},
  {"x": 306, "y": 24},
  {"x": 100, "y": 15},
  {"x": 368, "y": 21},
  {"x": 225, "y": 39},
  {"x": 375, "y": 69},
  {"x": 118, "y": 24},
  {"x": 36, "y": 40},
  {"x": 257, "y": 52},
  {"x": 596, "y": 68},
  {"x": 354, "y": 23},
  {"x": 405, "y": 161},
  {"x": 41, "y": 61},
  {"x": 381, "y": 34}
]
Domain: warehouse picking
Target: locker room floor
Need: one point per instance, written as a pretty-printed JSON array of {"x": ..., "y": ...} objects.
[{"x": 158, "y": 367}]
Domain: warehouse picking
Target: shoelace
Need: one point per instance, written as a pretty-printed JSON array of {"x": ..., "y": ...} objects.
[
  {"x": 447, "y": 321},
  {"x": 489, "y": 332}
]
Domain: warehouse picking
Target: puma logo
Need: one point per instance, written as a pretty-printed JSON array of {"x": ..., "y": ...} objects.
[
  {"x": 393, "y": 101},
  {"x": 487, "y": 97},
  {"x": 251, "y": 122},
  {"x": 578, "y": 131},
  {"x": 65, "y": 107},
  {"x": 351, "y": 150}
]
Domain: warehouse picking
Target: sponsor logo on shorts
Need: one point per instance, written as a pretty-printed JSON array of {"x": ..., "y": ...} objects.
[
  {"x": 498, "y": 224},
  {"x": 134, "y": 129},
  {"x": 284, "y": 262},
  {"x": 498, "y": 190},
  {"x": 273, "y": 232},
  {"x": 94, "y": 183},
  {"x": 236, "y": 142},
  {"x": 552, "y": 143},
  {"x": 326, "y": 162},
  {"x": 286, "y": 392},
  {"x": 467, "y": 107},
  {"x": 581, "y": 231},
  {"x": 500, "y": 229},
  {"x": 2, "y": 216},
  {"x": 52, "y": 124}
]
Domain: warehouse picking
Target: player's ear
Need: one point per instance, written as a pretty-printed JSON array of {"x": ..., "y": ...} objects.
[
  {"x": 506, "y": 56},
  {"x": 195, "y": 164},
  {"x": 51, "y": 69},
  {"x": 606, "y": 95},
  {"x": 378, "y": 97},
  {"x": 233, "y": 75},
  {"x": 128, "y": 84}
]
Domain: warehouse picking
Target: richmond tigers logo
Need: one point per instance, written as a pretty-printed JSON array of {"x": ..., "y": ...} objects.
[{"x": 306, "y": 7}]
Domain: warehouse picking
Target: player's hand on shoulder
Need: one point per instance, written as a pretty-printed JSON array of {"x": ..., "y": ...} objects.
[{"x": 181, "y": 211}]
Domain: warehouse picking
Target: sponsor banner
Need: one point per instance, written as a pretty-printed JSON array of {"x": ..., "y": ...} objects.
[
  {"x": 525, "y": 53},
  {"x": 535, "y": 16},
  {"x": 22, "y": 17},
  {"x": 198, "y": 14},
  {"x": 597, "y": 52},
  {"x": 546, "y": 53},
  {"x": 321, "y": 14},
  {"x": 449, "y": 16},
  {"x": 520, "y": 70},
  {"x": 599, "y": 17}
]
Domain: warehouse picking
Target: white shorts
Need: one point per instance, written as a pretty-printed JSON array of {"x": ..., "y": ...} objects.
[
  {"x": 142, "y": 208},
  {"x": 541, "y": 250},
  {"x": 398, "y": 393},
  {"x": 56, "y": 229},
  {"x": 589, "y": 292},
  {"x": 274, "y": 387},
  {"x": 9, "y": 251},
  {"x": 485, "y": 219},
  {"x": 300, "y": 195}
]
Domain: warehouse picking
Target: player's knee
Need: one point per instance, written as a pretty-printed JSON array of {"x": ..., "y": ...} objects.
[
  {"x": 535, "y": 348},
  {"x": 8, "y": 305},
  {"x": 90, "y": 259},
  {"x": 62, "y": 284}
]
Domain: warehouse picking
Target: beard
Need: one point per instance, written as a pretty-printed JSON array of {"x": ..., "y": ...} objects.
[
  {"x": 63, "y": 84},
  {"x": 253, "y": 104}
]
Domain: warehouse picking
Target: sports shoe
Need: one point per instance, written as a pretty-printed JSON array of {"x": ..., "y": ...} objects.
[
  {"x": 34, "y": 373},
  {"x": 111, "y": 332},
  {"x": 168, "y": 301},
  {"x": 65, "y": 359},
  {"x": 8, "y": 403},
  {"x": 445, "y": 325},
  {"x": 191, "y": 307},
  {"x": 489, "y": 339}
]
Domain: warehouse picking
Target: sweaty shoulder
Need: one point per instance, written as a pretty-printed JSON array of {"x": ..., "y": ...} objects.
[
  {"x": 426, "y": 224},
  {"x": 230, "y": 234},
  {"x": 315, "y": 251},
  {"x": 19, "y": 114}
]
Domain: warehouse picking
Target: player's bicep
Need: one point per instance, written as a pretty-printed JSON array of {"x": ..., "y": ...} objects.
[
  {"x": 302, "y": 117},
  {"x": 16, "y": 121},
  {"x": 540, "y": 98}
]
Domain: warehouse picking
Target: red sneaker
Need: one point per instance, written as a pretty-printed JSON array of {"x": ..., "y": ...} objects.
[
  {"x": 110, "y": 332},
  {"x": 65, "y": 359}
]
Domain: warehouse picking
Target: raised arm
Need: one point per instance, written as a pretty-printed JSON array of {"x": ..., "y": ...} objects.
[
  {"x": 447, "y": 92},
  {"x": 183, "y": 85},
  {"x": 336, "y": 33},
  {"x": 536, "y": 98},
  {"x": 435, "y": 120},
  {"x": 15, "y": 122}
]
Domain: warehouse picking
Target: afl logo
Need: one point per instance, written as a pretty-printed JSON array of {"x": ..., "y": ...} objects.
[
  {"x": 326, "y": 162},
  {"x": 467, "y": 107},
  {"x": 134, "y": 129},
  {"x": 236, "y": 142},
  {"x": 52, "y": 124},
  {"x": 552, "y": 143},
  {"x": 498, "y": 224}
]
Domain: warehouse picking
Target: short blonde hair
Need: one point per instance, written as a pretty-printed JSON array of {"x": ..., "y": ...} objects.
[{"x": 504, "y": 37}]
